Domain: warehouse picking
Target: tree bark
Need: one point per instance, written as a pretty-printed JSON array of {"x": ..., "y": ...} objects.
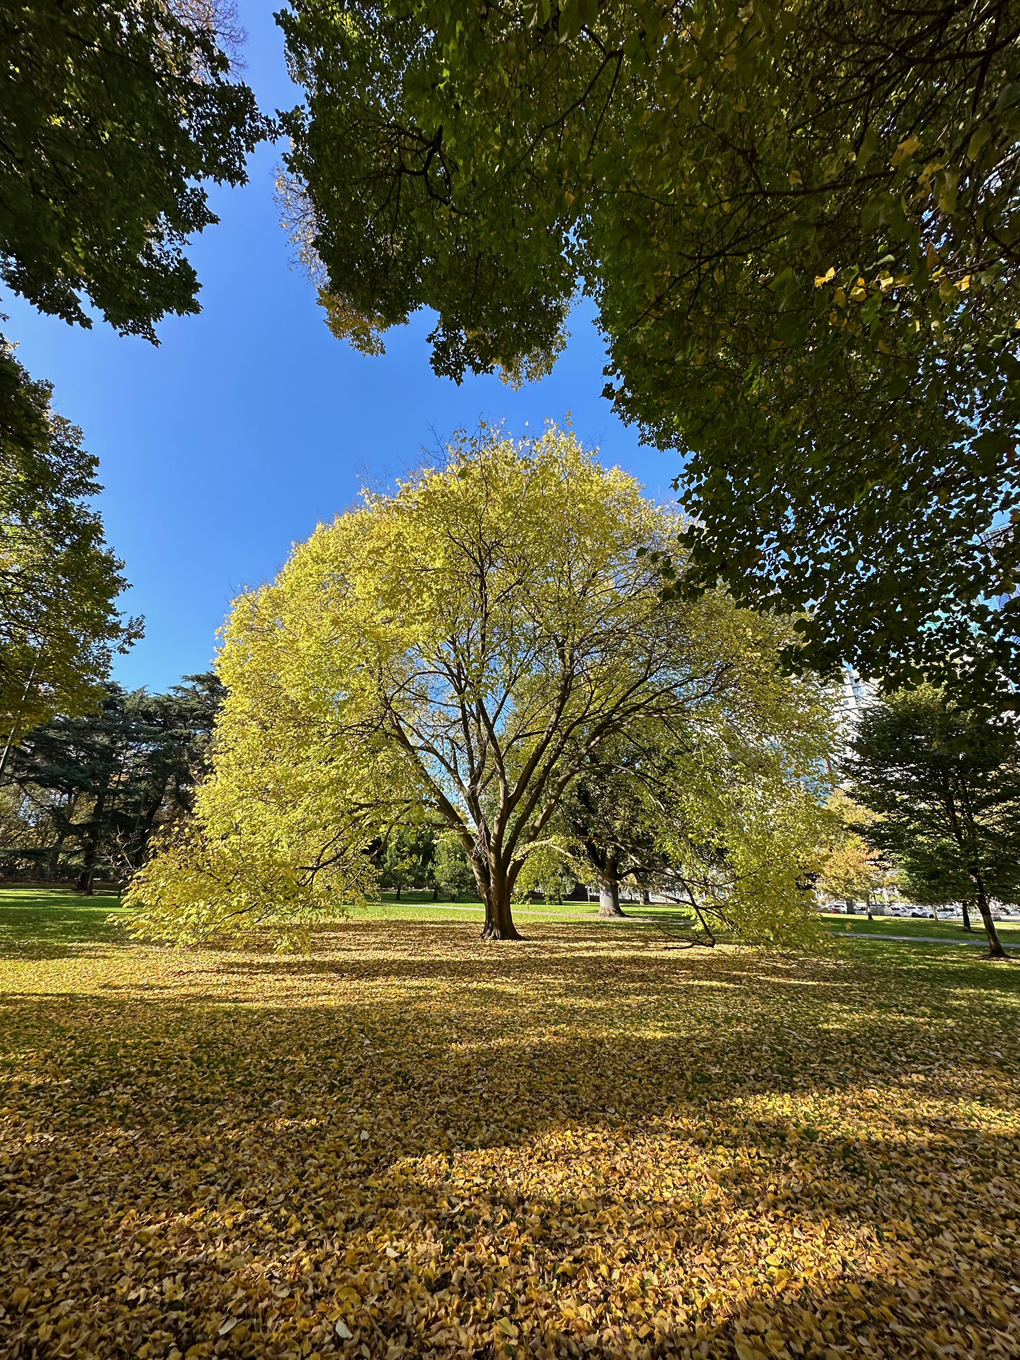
[
  {"x": 495, "y": 888},
  {"x": 966, "y": 917},
  {"x": 646, "y": 898},
  {"x": 995, "y": 949},
  {"x": 609, "y": 898},
  {"x": 53, "y": 860},
  {"x": 83, "y": 884}
]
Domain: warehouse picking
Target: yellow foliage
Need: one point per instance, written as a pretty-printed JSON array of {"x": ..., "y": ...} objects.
[
  {"x": 460, "y": 649},
  {"x": 406, "y": 1144},
  {"x": 850, "y": 868}
]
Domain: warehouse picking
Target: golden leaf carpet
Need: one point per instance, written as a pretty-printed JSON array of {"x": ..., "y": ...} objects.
[{"x": 411, "y": 1143}]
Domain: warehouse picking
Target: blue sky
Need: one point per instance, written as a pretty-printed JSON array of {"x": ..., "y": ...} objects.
[{"x": 250, "y": 423}]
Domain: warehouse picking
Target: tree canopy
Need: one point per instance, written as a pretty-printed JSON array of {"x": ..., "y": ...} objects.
[
  {"x": 84, "y": 794},
  {"x": 459, "y": 651},
  {"x": 58, "y": 579},
  {"x": 798, "y": 221},
  {"x": 946, "y": 783},
  {"x": 113, "y": 116}
]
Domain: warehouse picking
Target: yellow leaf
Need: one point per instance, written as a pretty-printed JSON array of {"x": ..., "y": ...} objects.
[{"x": 905, "y": 149}]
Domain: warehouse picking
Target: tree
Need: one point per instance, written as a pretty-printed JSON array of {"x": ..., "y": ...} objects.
[
  {"x": 94, "y": 788},
  {"x": 931, "y": 872},
  {"x": 58, "y": 579},
  {"x": 851, "y": 868},
  {"x": 407, "y": 859},
  {"x": 453, "y": 872},
  {"x": 946, "y": 783},
  {"x": 798, "y": 223},
  {"x": 607, "y": 825},
  {"x": 462, "y": 649},
  {"x": 114, "y": 113},
  {"x": 548, "y": 871},
  {"x": 721, "y": 813}
]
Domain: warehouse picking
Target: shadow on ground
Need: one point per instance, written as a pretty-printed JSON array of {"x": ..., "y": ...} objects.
[{"x": 410, "y": 1143}]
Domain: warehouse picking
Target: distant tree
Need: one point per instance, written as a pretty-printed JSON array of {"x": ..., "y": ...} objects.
[
  {"x": 454, "y": 875},
  {"x": 114, "y": 114},
  {"x": 946, "y": 783},
  {"x": 58, "y": 579},
  {"x": 931, "y": 873},
  {"x": 606, "y": 822},
  {"x": 407, "y": 859},
  {"x": 547, "y": 871},
  {"x": 722, "y": 814},
  {"x": 851, "y": 869},
  {"x": 95, "y": 787}
]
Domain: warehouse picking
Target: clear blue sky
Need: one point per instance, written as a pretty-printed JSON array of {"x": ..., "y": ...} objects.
[{"x": 250, "y": 423}]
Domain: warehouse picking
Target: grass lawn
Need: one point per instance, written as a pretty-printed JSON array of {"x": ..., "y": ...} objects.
[
  {"x": 1008, "y": 931},
  {"x": 408, "y": 1143}
]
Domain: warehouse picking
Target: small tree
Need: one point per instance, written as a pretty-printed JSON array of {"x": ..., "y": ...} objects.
[
  {"x": 851, "y": 868},
  {"x": 946, "y": 781},
  {"x": 452, "y": 871},
  {"x": 407, "y": 859}
]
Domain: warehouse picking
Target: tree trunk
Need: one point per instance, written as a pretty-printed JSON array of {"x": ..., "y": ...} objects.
[
  {"x": 609, "y": 898},
  {"x": 83, "y": 884},
  {"x": 495, "y": 888},
  {"x": 88, "y": 871},
  {"x": 435, "y": 894},
  {"x": 53, "y": 859},
  {"x": 966, "y": 918},
  {"x": 995, "y": 949},
  {"x": 397, "y": 898},
  {"x": 646, "y": 898}
]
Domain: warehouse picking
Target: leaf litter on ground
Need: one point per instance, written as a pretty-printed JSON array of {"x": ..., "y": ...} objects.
[{"x": 411, "y": 1143}]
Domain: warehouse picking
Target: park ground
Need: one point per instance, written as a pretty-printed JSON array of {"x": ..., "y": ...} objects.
[{"x": 592, "y": 1143}]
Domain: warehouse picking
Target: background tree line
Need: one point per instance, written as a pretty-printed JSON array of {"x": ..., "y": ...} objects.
[{"x": 81, "y": 797}]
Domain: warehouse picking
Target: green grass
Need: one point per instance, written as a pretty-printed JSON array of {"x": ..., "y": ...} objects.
[
  {"x": 43, "y": 922},
  {"x": 38, "y": 922},
  {"x": 1008, "y": 933}
]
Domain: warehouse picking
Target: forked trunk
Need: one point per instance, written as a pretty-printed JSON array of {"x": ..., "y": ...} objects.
[
  {"x": 495, "y": 888},
  {"x": 609, "y": 898},
  {"x": 995, "y": 949},
  {"x": 499, "y": 921}
]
